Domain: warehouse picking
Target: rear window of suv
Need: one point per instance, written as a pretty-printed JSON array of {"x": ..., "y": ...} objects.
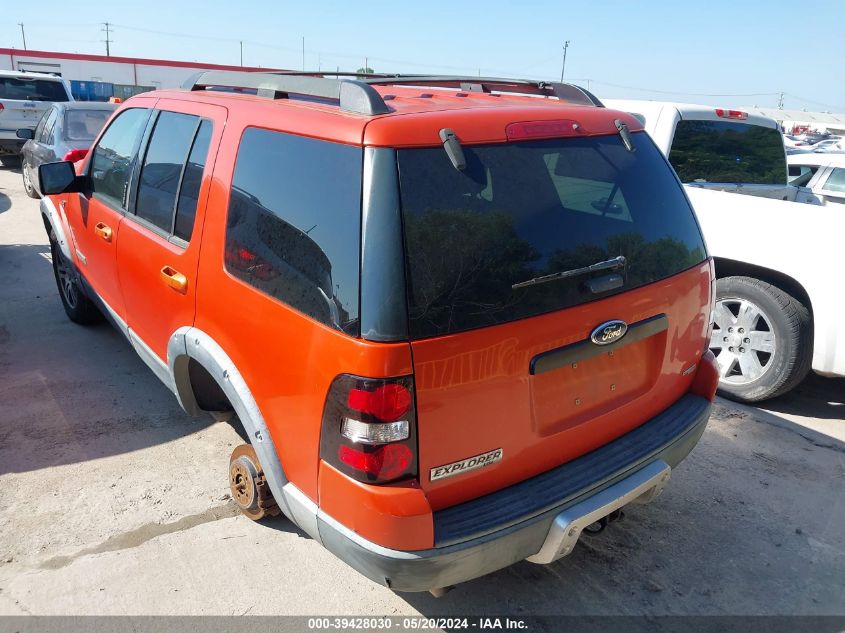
[
  {"x": 524, "y": 210},
  {"x": 25, "y": 89},
  {"x": 728, "y": 152}
]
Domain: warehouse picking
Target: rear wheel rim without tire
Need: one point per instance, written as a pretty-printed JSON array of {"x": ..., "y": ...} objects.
[{"x": 743, "y": 341}]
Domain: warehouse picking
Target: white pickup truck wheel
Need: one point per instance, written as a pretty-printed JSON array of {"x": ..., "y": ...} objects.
[{"x": 762, "y": 339}]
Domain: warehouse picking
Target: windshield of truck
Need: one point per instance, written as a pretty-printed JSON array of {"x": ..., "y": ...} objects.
[
  {"x": 25, "y": 89},
  {"x": 728, "y": 152},
  {"x": 520, "y": 211}
]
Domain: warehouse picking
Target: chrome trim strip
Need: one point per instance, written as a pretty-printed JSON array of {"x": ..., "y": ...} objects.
[{"x": 584, "y": 349}]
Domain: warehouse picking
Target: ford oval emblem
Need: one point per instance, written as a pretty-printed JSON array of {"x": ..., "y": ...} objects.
[{"x": 609, "y": 332}]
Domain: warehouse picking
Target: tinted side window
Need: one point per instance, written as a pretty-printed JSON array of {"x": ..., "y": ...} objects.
[
  {"x": 112, "y": 161},
  {"x": 186, "y": 209},
  {"x": 162, "y": 169},
  {"x": 294, "y": 223},
  {"x": 727, "y": 151}
]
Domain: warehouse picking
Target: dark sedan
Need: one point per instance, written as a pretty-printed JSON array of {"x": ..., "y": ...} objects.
[{"x": 65, "y": 132}]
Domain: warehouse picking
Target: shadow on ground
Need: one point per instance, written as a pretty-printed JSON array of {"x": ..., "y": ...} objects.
[
  {"x": 70, "y": 393},
  {"x": 816, "y": 396}
]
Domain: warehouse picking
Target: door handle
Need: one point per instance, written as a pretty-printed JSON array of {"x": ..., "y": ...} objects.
[
  {"x": 103, "y": 231},
  {"x": 174, "y": 279}
]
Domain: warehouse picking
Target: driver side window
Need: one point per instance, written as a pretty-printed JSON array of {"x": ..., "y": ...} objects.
[{"x": 111, "y": 164}]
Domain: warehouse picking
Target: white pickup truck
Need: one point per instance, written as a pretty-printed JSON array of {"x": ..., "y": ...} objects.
[{"x": 780, "y": 264}]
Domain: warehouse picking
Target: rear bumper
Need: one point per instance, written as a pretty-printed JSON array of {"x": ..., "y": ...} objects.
[
  {"x": 495, "y": 531},
  {"x": 10, "y": 143}
]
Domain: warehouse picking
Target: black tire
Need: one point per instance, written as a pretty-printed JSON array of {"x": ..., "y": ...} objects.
[
  {"x": 27, "y": 183},
  {"x": 782, "y": 315},
  {"x": 78, "y": 307},
  {"x": 10, "y": 160}
]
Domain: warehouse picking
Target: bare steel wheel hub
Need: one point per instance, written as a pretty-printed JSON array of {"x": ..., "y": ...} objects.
[{"x": 249, "y": 486}]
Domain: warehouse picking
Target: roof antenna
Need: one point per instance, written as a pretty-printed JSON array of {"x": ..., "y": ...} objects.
[{"x": 453, "y": 148}]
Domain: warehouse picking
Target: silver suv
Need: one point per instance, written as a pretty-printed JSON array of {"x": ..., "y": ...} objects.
[{"x": 24, "y": 98}]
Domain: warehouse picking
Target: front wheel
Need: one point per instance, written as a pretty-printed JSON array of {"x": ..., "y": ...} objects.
[
  {"x": 762, "y": 339},
  {"x": 78, "y": 307}
]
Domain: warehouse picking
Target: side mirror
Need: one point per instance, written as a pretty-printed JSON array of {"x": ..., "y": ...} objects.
[
  {"x": 58, "y": 178},
  {"x": 25, "y": 133}
]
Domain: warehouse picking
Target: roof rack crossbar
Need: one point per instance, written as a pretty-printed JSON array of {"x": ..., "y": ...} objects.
[{"x": 352, "y": 95}]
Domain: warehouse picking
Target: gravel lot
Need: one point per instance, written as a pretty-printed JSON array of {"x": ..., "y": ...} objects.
[{"x": 112, "y": 501}]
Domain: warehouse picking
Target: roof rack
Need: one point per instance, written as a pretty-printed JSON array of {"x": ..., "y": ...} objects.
[
  {"x": 355, "y": 92},
  {"x": 353, "y": 95},
  {"x": 563, "y": 91}
]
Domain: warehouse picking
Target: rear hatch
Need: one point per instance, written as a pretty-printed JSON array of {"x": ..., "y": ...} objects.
[
  {"x": 24, "y": 100},
  {"x": 501, "y": 328}
]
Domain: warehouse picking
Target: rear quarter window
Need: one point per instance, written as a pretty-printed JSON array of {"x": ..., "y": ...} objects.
[
  {"x": 525, "y": 210},
  {"x": 294, "y": 224},
  {"x": 728, "y": 152}
]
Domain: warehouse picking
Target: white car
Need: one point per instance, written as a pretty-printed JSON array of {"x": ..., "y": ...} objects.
[
  {"x": 829, "y": 145},
  {"x": 780, "y": 309},
  {"x": 820, "y": 177},
  {"x": 24, "y": 97}
]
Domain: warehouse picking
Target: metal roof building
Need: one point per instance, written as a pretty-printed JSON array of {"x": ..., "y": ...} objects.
[{"x": 829, "y": 121}]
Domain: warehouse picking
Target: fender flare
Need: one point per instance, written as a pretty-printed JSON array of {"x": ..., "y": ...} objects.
[
  {"x": 188, "y": 343},
  {"x": 49, "y": 211}
]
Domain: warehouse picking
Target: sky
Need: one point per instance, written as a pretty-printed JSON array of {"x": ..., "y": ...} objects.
[{"x": 720, "y": 53}]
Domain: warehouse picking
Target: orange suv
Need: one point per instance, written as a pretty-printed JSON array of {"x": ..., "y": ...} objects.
[{"x": 460, "y": 319}]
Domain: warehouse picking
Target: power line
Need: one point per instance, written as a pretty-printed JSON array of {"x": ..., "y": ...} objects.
[
  {"x": 824, "y": 105},
  {"x": 108, "y": 41}
]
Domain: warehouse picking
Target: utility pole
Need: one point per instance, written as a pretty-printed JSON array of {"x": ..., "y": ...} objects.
[
  {"x": 303, "y": 52},
  {"x": 23, "y": 35},
  {"x": 780, "y": 102},
  {"x": 242, "y": 52},
  {"x": 107, "y": 30},
  {"x": 563, "y": 66}
]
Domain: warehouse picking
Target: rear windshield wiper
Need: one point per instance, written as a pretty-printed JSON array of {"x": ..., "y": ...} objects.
[{"x": 610, "y": 264}]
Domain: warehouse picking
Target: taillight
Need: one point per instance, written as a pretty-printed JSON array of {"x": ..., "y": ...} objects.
[
  {"x": 543, "y": 129},
  {"x": 75, "y": 154},
  {"x": 369, "y": 428},
  {"x": 712, "y": 307},
  {"x": 731, "y": 114},
  {"x": 706, "y": 379}
]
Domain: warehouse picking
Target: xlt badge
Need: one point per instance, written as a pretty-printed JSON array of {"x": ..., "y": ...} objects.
[{"x": 465, "y": 465}]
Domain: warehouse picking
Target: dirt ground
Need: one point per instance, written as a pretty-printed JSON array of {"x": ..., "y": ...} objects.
[{"x": 113, "y": 501}]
